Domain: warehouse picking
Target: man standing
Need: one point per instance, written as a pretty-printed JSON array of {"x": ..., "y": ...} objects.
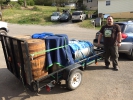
[{"x": 112, "y": 40}]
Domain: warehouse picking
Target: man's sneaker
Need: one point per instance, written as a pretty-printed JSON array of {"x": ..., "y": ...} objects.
[
  {"x": 107, "y": 66},
  {"x": 116, "y": 68}
]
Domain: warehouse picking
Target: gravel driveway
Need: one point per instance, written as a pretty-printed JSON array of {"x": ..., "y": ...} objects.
[
  {"x": 71, "y": 29},
  {"x": 98, "y": 83}
]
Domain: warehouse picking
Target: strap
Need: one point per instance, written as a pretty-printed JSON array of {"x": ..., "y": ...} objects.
[{"x": 44, "y": 51}]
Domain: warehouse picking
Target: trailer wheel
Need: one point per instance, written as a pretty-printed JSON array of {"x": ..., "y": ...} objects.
[
  {"x": 74, "y": 80},
  {"x": 3, "y": 32}
]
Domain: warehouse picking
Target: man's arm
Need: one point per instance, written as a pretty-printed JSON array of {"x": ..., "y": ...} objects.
[
  {"x": 119, "y": 39},
  {"x": 99, "y": 38}
]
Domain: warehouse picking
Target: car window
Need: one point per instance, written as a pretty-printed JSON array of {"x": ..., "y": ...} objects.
[
  {"x": 76, "y": 13},
  {"x": 63, "y": 15},
  {"x": 129, "y": 28},
  {"x": 55, "y": 14}
]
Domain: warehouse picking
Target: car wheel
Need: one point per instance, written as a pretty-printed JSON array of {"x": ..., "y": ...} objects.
[
  {"x": 3, "y": 32},
  {"x": 68, "y": 20},
  {"x": 131, "y": 56},
  {"x": 73, "y": 21}
]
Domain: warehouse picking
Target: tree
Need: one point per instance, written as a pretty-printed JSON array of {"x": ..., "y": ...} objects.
[{"x": 65, "y": 1}]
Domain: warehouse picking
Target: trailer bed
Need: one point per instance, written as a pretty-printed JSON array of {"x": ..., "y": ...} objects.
[{"x": 16, "y": 64}]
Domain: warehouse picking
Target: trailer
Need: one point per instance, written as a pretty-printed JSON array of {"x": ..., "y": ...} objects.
[{"x": 22, "y": 69}]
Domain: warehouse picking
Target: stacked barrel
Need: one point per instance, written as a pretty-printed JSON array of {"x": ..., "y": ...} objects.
[
  {"x": 37, "y": 55},
  {"x": 36, "y": 48}
]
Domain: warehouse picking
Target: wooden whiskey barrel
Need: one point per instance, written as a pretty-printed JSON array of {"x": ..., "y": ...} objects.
[
  {"x": 38, "y": 67},
  {"x": 36, "y": 47}
]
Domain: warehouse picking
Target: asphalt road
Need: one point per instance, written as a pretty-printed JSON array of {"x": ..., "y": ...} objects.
[{"x": 98, "y": 83}]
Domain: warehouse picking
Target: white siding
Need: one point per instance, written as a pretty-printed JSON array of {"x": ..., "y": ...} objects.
[
  {"x": 91, "y": 5},
  {"x": 115, "y": 6}
]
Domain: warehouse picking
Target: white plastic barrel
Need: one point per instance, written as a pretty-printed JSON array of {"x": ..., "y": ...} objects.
[{"x": 81, "y": 49}]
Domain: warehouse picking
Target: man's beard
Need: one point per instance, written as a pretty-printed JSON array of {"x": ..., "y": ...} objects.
[{"x": 109, "y": 23}]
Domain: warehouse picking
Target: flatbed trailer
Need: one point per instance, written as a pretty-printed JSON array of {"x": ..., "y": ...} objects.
[{"x": 72, "y": 74}]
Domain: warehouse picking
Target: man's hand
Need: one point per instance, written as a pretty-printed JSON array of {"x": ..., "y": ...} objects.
[
  {"x": 98, "y": 44},
  {"x": 119, "y": 44}
]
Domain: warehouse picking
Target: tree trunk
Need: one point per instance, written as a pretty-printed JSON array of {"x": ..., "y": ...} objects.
[{"x": 25, "y": 3}]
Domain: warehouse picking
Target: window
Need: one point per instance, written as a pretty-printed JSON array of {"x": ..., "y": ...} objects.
[
  {"x": 107, "y": 2},
  {"x": 89, "y": 1},
  {"x": 129, "y": 29}
]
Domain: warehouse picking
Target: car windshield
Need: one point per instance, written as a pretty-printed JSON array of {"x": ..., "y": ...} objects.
[
  {"x": 63, "y": 15},
  {"x": 55, "y": 14},
  {"x": 76, "y": 13},
  {"x": 129, "y": 28}
]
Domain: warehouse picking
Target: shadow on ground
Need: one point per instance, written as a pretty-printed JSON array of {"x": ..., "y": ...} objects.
[{"x": 12, "y": 88}]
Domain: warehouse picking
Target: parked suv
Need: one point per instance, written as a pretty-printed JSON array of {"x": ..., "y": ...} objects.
[
  {"x": 78, "y": 16},
  {"x": 127, "y": 38}
]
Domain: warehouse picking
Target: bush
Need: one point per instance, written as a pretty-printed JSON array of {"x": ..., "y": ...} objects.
[
  {"x": 35, "y": 8},
  {"x": 15, "y": 5},
  {"x": 21, "y": 2},
  {"x": 83, "y": 7},
  {"x": 30, "y": 3}
]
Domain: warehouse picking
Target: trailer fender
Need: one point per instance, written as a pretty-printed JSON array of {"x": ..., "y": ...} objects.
[{"x": 68, "y": 70}]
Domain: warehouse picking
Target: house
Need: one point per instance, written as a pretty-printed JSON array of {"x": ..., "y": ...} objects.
[
  {"x": 116, "y": 8},
  {"x": 91, "y": 4},
  {"x": 13, "y": 0},
  {"x": 70, "y": 5}
]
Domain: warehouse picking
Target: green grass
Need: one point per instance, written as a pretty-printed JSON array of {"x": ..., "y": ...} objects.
[
  {"x": 39, "y": 15},
  {"x": 86, "y": 24},
  {"x": 32, "y": 15}
]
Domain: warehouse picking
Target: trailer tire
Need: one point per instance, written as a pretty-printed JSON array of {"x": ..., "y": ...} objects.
[
  {"x": 74, "y": 80},
  {"x": 3, "y": 32}
]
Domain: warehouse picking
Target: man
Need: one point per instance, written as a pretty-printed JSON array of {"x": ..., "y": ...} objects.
[{"x": 112, "y": 40}]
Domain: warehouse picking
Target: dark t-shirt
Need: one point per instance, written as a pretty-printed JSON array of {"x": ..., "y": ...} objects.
[{"x": 110, "y": 34}]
